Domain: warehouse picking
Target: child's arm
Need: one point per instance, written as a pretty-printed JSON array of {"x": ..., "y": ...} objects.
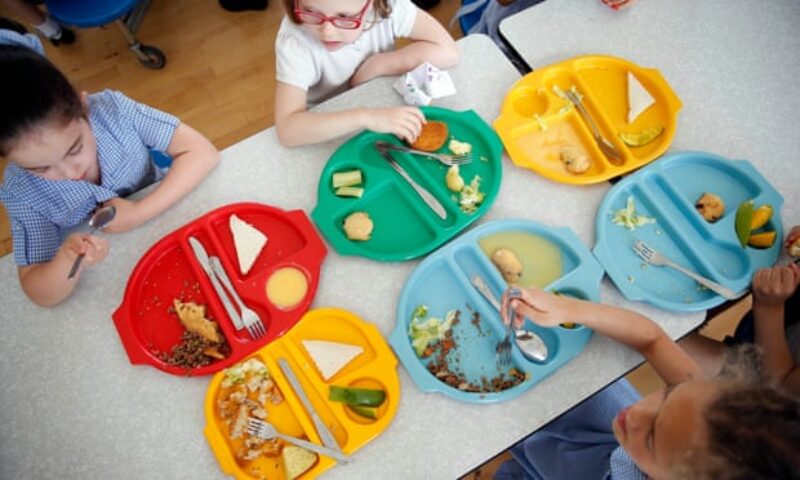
[
  {"x": 771, "y": 288},
  {"x": 296, "y": 126},
  {"x": 193, "y": 157},
  {"x": 669, "y": 361},
  {"x": 46, "y": 284},
  {"x": 430, "y": 43}
]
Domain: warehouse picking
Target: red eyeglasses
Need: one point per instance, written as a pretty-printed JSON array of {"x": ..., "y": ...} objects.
[{"x": 316, "y": 18}]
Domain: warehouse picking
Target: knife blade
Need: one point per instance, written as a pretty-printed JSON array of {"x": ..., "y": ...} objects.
[
  {"x": 425, "y": 195},
  {"x": 205, "y": 262},
  {"x": 324, "y": 432}
]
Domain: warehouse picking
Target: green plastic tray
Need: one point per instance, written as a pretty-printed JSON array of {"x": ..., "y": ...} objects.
[{"x": 404, "y": 226}]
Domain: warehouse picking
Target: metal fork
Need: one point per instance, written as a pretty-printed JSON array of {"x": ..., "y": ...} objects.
[
  {"x": 262, "y": 429},
  {"x": 656, "y": 258},
  {"x": 444, "y": 158},
  {"x": 608, "y": 149},
  {"x": 252, "y": 322}
]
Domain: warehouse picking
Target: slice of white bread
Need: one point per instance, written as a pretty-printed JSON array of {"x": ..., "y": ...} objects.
[
  {"x": 639, "y": 99},
  {"x": 248, "y": 240},
  {"x": 297, "y": 461},
  {"x": 330, "y": 357}
]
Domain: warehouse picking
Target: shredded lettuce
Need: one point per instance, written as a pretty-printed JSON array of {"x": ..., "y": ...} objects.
[
  {"x": 471, "y": 196},
  {"x": 238, "y": 373},
  {"x": 627, "y": 217},
  {"x": 427, "y": 332}
]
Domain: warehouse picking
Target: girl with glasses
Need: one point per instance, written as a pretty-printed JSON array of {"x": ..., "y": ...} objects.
[{"x": 324, "y": 47}]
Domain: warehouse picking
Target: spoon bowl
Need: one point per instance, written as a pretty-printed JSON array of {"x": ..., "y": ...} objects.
[{"x": 531, "y": 345}]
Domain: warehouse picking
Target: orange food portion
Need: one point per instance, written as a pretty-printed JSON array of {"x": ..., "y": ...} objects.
[
  {"x": 432, "y": 136},
  {"x": 762, "y": 240},
  {"x": 287, "y": 287}
]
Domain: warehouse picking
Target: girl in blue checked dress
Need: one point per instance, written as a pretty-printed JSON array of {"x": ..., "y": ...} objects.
[
  {"x": 68, "y": 154},
  {"x": 734, "y": 426}
]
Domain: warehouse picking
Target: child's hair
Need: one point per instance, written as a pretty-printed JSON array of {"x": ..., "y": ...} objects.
[
  {"x": 32, "y": 90},
  {"x": 381, "y": 9},
  {"x": 753, "y": 427}
]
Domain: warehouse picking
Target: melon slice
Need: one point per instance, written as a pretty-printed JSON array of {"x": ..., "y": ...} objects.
[
  {"x": 639, "y": 99},
  {"x": 248, "y": 240},
  {"x": 330, "y": 357}
]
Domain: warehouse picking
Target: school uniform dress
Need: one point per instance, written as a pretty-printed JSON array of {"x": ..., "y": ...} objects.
[
  {"x": 579, "y": 445},
  {"x": 43, "y": 212},
  {"x": 302, "y": 61},
  {"x": 10, "y": 37}
]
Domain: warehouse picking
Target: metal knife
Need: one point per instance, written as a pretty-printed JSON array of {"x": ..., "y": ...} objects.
[
  {"x": 324, "y": 433},
  {"x": 425, "y": 195},
  {"x": 202, "y": 257}
]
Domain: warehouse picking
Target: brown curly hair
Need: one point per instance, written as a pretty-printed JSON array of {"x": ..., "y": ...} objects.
[
  {"x": 753, "y": 427},
  {"x": 380, "y": 10}
]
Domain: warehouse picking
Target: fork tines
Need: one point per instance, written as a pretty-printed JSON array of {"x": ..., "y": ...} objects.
[{"x": 254, "y": 426}]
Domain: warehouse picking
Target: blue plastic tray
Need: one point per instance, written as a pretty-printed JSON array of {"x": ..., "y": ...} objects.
[
  {"x": 667, "y": 190},
  {"x": 442, "y": 282}
]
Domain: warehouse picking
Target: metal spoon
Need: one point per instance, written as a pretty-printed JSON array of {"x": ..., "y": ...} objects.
[
  {"x": 100, "y": 219},
  {"x": 529, "y": 343}
]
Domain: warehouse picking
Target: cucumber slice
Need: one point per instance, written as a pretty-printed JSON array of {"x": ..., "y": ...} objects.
[
  {"x": 357, "y": 396},
  {"x": 366, "y": 412},
  {"x": 347, "y": 178},
  {"x": 744, "y": 220},
  {"x": 349, "y": 192}
]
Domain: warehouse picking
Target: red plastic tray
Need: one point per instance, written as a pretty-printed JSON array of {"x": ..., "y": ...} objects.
[{"x": 169, "y": 270}]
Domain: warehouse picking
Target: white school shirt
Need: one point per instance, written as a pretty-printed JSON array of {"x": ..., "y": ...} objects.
[{"x": 302, "y": 61}]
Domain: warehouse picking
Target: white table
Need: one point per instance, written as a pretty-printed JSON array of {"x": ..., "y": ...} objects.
[
  {"x": 734, "y": 64},
  {"x": 73, "y": 407}
]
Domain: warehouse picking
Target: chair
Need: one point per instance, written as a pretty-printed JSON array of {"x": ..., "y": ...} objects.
[{"x": 127, "y": 14}]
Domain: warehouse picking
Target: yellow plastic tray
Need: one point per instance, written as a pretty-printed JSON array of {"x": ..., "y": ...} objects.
[
  {"x": 603, "y": 82},
  {"x": 375, "y": 367}
]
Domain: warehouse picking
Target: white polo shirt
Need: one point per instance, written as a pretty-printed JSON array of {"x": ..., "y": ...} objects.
[{"x": 302, "y": 61}]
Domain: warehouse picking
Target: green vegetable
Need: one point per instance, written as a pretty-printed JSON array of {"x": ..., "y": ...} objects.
[
  {"x": 366, "y": 412},
  {"x": 471, "y": 196},
  {"x": 365, "y": 397},
  {"x": 347, "y": 178},
  {"x": 349, "y": 191},
  {"x": 420, "y": 312},
  {"x": 744, "y": 221},
  {"x": 424, "y": 333},
  {"x": 628, "y": 218}
]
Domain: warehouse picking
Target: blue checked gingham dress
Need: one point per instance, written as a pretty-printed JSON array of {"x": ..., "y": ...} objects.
[
  {"x": 43, "y": 212},
  {"x": 579, "y": 445}
]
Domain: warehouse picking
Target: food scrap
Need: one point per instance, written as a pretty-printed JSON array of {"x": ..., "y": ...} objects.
[
  {"x": 471, "y": 196},
  {"x": 575, "y": 159},
  {"x": 509, "y": 265},
  {"x": 424, "y": 333},
  {"x": 640, "y": 139},
  {"x": 330, "y": 357},
  {"x": 347, "y": 183},
  {"x": 639, "y": 99},
  {"x": 432, "y": 136},
  {"x": 710, "y": 206},
  {"x": 201, "y": 343},
  {"x": 458, "y": 147},
  {"x": 297, "y": 461},
  {"x": 246, "y": 389},
  {"x": 248, "y": 241},
  {"x": 453, "y": 179},
  {"x": 358, "y": 226},
  {"x": 751, "y": 225},
  {"x": 627, "y": 217}
]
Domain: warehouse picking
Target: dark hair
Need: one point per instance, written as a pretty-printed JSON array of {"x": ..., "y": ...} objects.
[
  {"x": 32, "y": 90},
  {"x": 753, "y": 427},
  {"x": 8, "y": 24},
  {"x": 381, "y": 9}
]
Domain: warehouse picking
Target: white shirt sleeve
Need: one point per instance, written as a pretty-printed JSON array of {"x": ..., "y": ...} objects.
[
  {"x": 294, "y": 63},
  {"x": 404, "y": 14}
]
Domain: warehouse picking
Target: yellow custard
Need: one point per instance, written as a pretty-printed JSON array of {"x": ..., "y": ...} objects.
[
  {"x": 287, "y": 287},
  {"x": 541, "y": 259}
]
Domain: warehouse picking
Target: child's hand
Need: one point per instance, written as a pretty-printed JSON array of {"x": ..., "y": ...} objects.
[
  {"x": 94, "y": 248},
  {"x": 126, "y": 218},
  {"x": 405, "y": 122},
  {"x": 791, "y": 243},
  {"x": 543, "y": 308},
  {"x": 773, "y": 286}
]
